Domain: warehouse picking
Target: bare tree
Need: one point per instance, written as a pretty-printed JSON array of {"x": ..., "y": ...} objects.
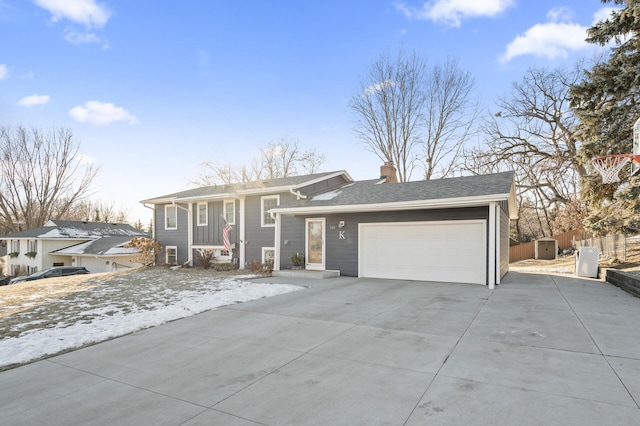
[
  {"x": 95, "y": 211},
  {"x": 414, "y": 115},
  {"x": 449, "y": 115},
  {"x": 388, "y": 105},
  {"x": 285, "y": 157},
  {"x": 41, "y": 176},
  {"x": 533, "y": 132},
  {"x": 280, "y": 158}
]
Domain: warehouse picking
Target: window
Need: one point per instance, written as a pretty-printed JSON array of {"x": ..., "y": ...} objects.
[
  {"x": 268, "y": 254},
  {"x": 230, "y": 212},
  {"x": 32, "y": 246},
  {"x": 15, "y": 246},
  {"x": 268, "y": 203},
  {"x": 172, "y": 255},
  {"x": 170, "y": 217},
  {"x": 202, "y": 214},
  {"x": 32, "y": 269}
]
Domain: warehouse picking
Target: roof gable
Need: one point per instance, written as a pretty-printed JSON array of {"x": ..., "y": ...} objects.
[{"x": 105, "y": 246}]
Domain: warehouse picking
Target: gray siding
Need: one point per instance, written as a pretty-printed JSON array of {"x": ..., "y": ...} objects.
[
  {"x": 211, "y": 234},
  {"x": 258, "y": 236},
  {"x": 342, "y": 253},
  {"x": 292, "y": 239},
  {"x": 177, "y": 237}
]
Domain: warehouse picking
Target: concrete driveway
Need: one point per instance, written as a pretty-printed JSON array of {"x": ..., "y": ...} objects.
[{"x": 540, "y": 349}]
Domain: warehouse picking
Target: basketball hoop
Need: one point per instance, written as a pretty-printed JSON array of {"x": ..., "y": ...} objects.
[{"x": 610, "y": 166}]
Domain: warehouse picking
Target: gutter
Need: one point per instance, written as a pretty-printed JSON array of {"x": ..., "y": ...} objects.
[{"x": 402, "y": 205}]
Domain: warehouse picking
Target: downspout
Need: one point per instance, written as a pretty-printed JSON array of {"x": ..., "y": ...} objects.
[
  {"x": 276, "y": 256},
  {"x": 241, "y": 236},
  {"x": 153, "y": 220},
  {"x": 492, "y": 245},
  {"x": 189, "y": 230}
]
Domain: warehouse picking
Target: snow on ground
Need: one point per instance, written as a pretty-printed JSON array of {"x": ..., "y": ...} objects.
[{"x": 120, "y": 305}]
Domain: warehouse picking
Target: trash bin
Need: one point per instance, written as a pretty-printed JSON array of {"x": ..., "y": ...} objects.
[{"x": 587, "y": 262}]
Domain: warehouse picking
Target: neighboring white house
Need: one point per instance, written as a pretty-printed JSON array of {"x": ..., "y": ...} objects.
[
  {"x": 3, "y": 261},
  {"x": 97, "y": 246}
]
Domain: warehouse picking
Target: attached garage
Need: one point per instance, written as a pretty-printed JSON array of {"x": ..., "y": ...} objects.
[
  {"x": 444, "y": 251},
  {"x": 453, "y": 230}
]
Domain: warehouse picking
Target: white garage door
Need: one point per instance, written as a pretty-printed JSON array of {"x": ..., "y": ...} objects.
[{"x": 446, "y": 251}]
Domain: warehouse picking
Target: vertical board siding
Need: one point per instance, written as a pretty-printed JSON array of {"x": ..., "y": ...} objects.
[{"x": 211, "y": 235}]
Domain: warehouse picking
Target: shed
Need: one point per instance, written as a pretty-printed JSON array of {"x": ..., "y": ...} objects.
[{"x": 546, "y": 248}]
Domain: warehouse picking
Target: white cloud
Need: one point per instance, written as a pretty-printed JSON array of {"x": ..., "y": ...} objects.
[
  {"x": 554, "y": 39},
  {"x": 453, "y": 12},
  {"x": 603, "y": 14},
  {"x": 101, "y": 113},
  {"x": 558, "y": 14},
  {"x": 33, "y": 100},
  {"x": 551, "y": 40},
  {"x": 75, "y": 37},
  {"x": 4, "y": 72},
  {"x": 86, "y": 12},
  {"x": 378, "y": 87},
  {"x": 85, "y": 159}
]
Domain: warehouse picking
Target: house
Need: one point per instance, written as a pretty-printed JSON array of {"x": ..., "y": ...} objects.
[
  {"x": 97, "y": 246},
  {"x": 3, "y": 260},
  {"x": 449, "y": 230}
]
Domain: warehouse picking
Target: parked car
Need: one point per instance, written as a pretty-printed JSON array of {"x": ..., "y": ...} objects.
[{"x": 57, "y": 271}]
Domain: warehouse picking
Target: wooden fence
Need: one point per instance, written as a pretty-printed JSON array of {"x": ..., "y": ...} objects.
[
  {"x": 528, "y": 250},
  {"x": 612, "y": 246}
]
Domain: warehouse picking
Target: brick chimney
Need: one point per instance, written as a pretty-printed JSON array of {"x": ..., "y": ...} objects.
[{"x": 388, "y": 172}]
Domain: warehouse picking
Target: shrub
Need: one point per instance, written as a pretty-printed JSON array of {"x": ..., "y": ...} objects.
[
  {"x": 148, "y": 249},
  {"x": 224, "y": 267},
  {"x": 297, "y": 259},
  {"x": 205, "y": 256},
  {"x": 261, "y": 268}
]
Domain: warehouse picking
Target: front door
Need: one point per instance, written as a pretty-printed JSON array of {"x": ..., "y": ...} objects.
[{"x": 315, "y": 244}]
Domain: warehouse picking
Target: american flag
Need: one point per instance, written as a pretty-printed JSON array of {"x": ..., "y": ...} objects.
[{"x": 225, "y": 237}]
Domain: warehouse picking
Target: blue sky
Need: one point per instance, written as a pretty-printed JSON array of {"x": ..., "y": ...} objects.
[{"x": 153, "y": 88}]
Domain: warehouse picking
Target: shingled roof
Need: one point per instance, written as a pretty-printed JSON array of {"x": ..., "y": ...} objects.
[
  {"x": 106, "y": 246},
  {"x": 69, "y": 229},
  {"x": 377, "y": 195},
  {"x": 230, "y": 190}
]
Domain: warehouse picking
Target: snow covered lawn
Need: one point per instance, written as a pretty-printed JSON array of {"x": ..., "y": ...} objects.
[{"x": 45, "y": 317}]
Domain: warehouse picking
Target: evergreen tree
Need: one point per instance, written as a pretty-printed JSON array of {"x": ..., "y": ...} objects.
[{"x": 607, "y": 104}]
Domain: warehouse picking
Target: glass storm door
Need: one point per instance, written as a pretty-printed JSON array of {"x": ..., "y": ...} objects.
[{"x": 315, "y": 244}]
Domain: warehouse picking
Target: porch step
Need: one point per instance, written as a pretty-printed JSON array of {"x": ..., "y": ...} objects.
[{"x": 306, "y": 273}]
